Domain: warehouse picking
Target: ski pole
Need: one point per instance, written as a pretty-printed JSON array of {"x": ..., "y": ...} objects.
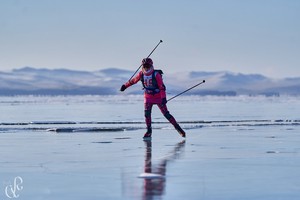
[
  {"x": 186, "y": 91},
  {"x": 147, "y": 57}
]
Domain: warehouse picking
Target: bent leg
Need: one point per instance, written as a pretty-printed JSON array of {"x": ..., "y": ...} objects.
[{"x": 163, "y": 108}]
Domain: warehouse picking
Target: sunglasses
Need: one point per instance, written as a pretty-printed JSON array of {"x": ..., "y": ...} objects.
[{"x": 147, "y": 65}]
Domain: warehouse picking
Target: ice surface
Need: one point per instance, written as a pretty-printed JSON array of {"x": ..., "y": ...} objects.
[{"x": 244, "y": 149}]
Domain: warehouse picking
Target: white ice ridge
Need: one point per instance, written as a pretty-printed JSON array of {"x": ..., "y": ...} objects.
[{"x": 151, "y": 176}]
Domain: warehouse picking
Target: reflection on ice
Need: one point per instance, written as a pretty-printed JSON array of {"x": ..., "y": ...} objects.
[{"x": 155, "y": 175}]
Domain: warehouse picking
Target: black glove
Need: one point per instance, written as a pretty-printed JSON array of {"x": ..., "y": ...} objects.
[
  {"x": 164, "y": 101},
  {"x": 123, "y": 87}
]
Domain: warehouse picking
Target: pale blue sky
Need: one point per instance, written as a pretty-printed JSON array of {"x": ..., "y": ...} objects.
[{"x": 248, "y": 36}]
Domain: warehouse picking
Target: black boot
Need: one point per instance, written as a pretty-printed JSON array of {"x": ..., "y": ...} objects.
[
  {"x": 180, "y": 131},
  {"x": 148, "y": 133}
]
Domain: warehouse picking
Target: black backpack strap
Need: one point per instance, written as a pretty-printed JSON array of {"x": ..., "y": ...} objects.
[{"x": 159, "y": 71}]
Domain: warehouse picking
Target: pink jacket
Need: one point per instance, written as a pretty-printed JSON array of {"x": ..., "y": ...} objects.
[{"x": 150, "y": 98}]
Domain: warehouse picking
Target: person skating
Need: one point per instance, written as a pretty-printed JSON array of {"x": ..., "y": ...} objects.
[{"x": 155, "y": 93}]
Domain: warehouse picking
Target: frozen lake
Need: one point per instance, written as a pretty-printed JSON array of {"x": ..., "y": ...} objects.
[{"x": 91, "y": 147}]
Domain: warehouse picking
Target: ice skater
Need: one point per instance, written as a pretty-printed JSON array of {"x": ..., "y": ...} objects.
[{"x": 155, "y": 93}]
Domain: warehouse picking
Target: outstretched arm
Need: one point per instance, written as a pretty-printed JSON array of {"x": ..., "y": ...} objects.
[{"x": 132, "y": 81}]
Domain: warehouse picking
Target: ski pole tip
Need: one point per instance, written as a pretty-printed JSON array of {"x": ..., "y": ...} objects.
[
  {"x": 203, "y": 81},
  {"x": 160, "y": 41}
]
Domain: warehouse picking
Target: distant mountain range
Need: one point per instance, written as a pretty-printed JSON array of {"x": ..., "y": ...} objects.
[{"x": 33, "y": 81}]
